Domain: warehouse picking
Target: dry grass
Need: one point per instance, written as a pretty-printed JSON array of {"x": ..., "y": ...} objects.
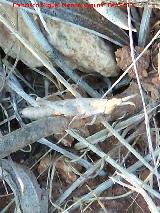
[{"x": 124, "y": 130}]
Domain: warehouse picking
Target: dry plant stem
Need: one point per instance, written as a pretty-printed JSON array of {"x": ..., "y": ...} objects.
[
  {"x": 67, "y": 154},
  {"x": 149, "y": 138},
  {"x": 34, "y": 131},
  {"x": 124, "y": 142},
  {"x": 136, "y": 187},
  {"x": 102, "y": 135},
  {"x": 109, "y": 160},
  {"x": 41, "y": 17},
  {"x": 128, "y": 146},
  {"x": 77, "y": 183},
  {"x": 151, "y": 205},
  {"x": 41, "y": 57},
  {"x": 139, "y": 83},
  {"x": 144, "y": 27},
  {"x": 109, "y": 183},
  {"x": 53, "y": 169},
  {"x": 54, "y": 55},
  {"x": 116, "y": 197}
]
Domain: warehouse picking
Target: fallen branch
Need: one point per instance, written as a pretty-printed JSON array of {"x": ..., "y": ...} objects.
[{"x": 36, "y": 130}]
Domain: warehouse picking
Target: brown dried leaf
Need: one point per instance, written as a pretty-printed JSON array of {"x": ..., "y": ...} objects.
[
  {"x": 44, "y": 164},
  {"x": 152, "y": 86},
  {"x": 65, "y": 140},
  {"x": 156, "y": 81},
  {"x": 66, "y": 172},
  {"x": 123, "y": 57}
]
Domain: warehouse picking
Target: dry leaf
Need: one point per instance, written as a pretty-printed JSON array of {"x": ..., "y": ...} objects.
[
  {"x": 123, "y": 57},
  {"x": 66, "y": 172},
  {"x": 44, "y": 164},
  {"x": 66, "y": 140}
]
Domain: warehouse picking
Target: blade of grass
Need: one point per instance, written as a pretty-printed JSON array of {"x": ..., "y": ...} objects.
[
  {"x": 109, "y": 160},
  {"x": 68, "y": 154},
  {"x": 109, "y": 183},
  {"x": 149, "y": 138},
  {"x": 144, "y": 27},
  {"x": 127, "y": 145},
  {"x": 77, "y": 183},
  {"x": 136, "y": 187}
]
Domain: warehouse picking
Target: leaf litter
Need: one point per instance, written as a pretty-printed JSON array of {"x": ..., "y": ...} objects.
[{"x": 64, "y": 145}]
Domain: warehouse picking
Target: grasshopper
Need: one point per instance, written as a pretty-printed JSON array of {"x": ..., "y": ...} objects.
[{"x": 79, "y": 107}]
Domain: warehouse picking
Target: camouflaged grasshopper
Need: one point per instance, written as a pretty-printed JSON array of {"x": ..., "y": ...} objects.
[{"x": 79, "y": 107}]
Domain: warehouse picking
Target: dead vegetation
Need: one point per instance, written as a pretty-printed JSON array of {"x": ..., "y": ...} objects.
[{"x": 79, "y": 101}]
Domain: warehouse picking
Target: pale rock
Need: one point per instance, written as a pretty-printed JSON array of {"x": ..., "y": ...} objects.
[{"x": 79, "y": 49}]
